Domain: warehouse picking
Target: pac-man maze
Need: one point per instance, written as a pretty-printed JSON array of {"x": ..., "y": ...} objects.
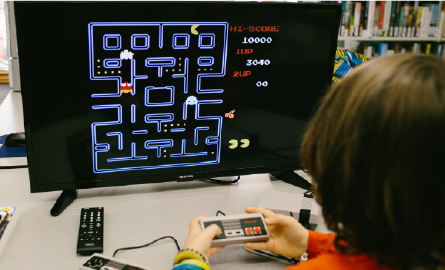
[{"x": 156, "y": 92}]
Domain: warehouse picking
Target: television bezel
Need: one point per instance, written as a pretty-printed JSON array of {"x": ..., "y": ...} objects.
[{"x": 171, "y": 177}]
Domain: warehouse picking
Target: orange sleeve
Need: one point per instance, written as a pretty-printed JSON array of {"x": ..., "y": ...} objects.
[{"x": 320, "y": 243}]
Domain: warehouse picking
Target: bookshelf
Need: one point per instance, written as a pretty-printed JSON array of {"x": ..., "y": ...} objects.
[
  {"x": 387, "y": 27},
  {"x": 393, "y": 21}
]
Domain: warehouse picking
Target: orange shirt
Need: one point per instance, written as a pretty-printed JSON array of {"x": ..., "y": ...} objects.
[{"x": 324, "y": 255}]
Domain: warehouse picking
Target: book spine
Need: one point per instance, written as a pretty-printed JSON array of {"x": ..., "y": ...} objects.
[
  {"x": 371, "y": 17},
  {"x": 392, "y": 21},
  {"x": 358, "y": 8},
  {"x": 365, "y": 19},
  {"x": 434, "y": 20},
  {"x": 428, "y": 49},
  {"x": 405, "y": 19},
  {"x": 414, "y": 18},
  {"x": 410, "y": 18},
  {"x": 351, "y": 21},
  {"x": 386, "y": 18},
  {"x": 402, "y": 12},
  {"x": 418, "y": 21},
  {"x": 382, "y": 49},
  {"x": 424, "y": 25},
  {"x": 381, "y": 18},
  {"x": 396, "y": 20},
  {"x": 345, "y": 18},
  {"x": 376, "y": 20},
  {"x": 362, "y": 19}
]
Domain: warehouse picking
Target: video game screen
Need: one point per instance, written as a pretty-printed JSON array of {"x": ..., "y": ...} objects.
[{"x": 129, "y": 92}]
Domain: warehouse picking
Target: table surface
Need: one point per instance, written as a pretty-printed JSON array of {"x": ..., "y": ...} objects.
[{"x": 134, "y": 215}]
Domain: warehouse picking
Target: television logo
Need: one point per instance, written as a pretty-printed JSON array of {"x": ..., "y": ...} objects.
[{"x": 185, "y": 176}]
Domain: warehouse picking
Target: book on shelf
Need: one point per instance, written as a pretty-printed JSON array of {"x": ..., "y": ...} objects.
[
  {"x": 376, "y": 20},
  {"x": 412, "y": 19},
  {"x": 381, "y": 18},
  {"x": 370, "y": 17},
  {"x": 9, "y": 216},
  {"x": 386, "y": 18},
  {"x": 392, "y": 19}
]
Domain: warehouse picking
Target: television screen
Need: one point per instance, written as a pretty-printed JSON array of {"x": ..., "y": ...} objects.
[{"x": 119, "y": 93}]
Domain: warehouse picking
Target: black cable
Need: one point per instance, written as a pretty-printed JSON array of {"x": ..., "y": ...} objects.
[
  {"x": 223, "y": 182},
  {"x": 274, "y": 255},
  {"x": 13, "y": 167},
  {"x": 146, "y": 245},
  {"x": 220, "y": 212}
]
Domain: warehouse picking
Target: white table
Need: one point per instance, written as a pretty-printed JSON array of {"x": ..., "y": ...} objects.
[{"x": 134, "y": 215}]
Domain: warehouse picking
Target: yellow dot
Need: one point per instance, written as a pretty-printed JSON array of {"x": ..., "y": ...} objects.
[
  {"x": 199, "y": 69},
  {"x": 165, "y": 125},
  {"x": 165, "y": 151},
  {"x": 133, "y": 53},
  {"x": 165, "y": 156},
  {"x": 210, "y": 69},
  {"x": 179, "y": 69},
  {"x": 98, "y": 66},
  {"x": 179, "y": 64},
  {"x": 105, "y": 72},
  {"x": 213, "y": 153},
  {"x": 165, "y": 130},
  {"x": 184, "y": 124},
  {"x": 118, "y": 71},
  {"x": 166, "y": 70},
  {"x": 205, "y": 69},
  {"x": 173, "y": 70},
  {"x": 98, "y": 60},
  {"x": 98, "y": 72},
  {"x": 179, "y": 58},
  {"x": 112, "y": 72},
  {"x": 178, "y": 125},
  {"x": 171, "y": 125}
]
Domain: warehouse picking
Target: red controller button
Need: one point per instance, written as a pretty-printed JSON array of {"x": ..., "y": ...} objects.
[
  {"x": 257, "y": 230},
  {"x": 249, "y": 231}
]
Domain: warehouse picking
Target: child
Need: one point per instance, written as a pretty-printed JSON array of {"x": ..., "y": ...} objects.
[{"x": 376, "y": 152}]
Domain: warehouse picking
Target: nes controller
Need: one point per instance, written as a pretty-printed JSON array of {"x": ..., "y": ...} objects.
[
  {"x": 237, "y": 229},
  {"x": 102, "y": 262}
]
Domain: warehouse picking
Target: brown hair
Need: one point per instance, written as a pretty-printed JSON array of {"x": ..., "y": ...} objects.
[{"x": 376, "y": 151}]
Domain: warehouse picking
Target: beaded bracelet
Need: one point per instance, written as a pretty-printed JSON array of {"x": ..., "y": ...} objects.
[
  {"x": 198, "y": 263},
  {"x": 304, "y": 256},
  {"x": 187, "y": 266},
  {"x": 188, "y": 253}
]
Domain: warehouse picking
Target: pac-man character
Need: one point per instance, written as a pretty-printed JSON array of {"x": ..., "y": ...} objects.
[
  {"x": 245, "y": 143},
  {"x": 191, "y": 100},
  {"x": 193, "y": 29},
  {"x": 233, "y": 144},
  {"x": 125, "y": 55},
  {"x": 230, "y": 114},
  {"x": 126, "y": 88}
]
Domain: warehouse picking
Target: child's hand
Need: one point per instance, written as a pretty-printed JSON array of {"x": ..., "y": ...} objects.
[
  {"x": 287, "y": 236},
  {"x": 199, "y": 239}
]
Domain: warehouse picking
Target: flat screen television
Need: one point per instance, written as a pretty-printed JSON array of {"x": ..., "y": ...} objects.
[{"x": 120, "y": 93}]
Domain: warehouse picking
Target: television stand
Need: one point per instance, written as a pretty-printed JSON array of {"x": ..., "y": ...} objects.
[
  {"x": 65, "y": 199},
  {"x": 293, "y": 178}
]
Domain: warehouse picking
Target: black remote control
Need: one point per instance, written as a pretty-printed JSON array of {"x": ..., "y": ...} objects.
[{"x": 91, "y": 231}]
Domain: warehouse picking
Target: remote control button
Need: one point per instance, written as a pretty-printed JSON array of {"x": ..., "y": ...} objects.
[
  {"x": 257, "y": 230},
  {"x": 83, "y": 226},
  {"x": 249, "y": 230},
  {"x": 98, "y": 224}
]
